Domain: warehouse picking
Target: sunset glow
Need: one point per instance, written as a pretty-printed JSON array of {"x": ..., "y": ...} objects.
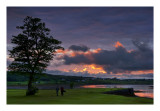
[
  {"x": 96, "y": 69},
  {"x": 109, "y": 44},
  {"x": 92, "y": 69},
  {"x": 118, "y": 44},
  {"x": 96, "y": 50},
  {"x": 142, "y": 72}
]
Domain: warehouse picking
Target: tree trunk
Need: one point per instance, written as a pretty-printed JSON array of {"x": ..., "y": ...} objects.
[
  {"x": 31, "y": 89},
  {"x": 30, "y": 81}
]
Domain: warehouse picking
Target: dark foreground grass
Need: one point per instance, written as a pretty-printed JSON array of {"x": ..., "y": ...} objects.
[{"x": 73, "y": 96}]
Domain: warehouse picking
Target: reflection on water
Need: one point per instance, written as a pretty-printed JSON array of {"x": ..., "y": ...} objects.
[
  {"x": 147, "y": 91},
  {"x": 150, "y": 95}
]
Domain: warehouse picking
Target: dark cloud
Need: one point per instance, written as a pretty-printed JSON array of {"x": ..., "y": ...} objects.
[
  {"x": 92, "y": 26},
  {"x": 78, "y": 59},
  {"x": 79, "y": 48},
  {"x": 118, "y": 60}
]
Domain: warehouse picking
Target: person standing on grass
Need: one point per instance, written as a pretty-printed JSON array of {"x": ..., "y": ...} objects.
[
  {"x": 62, "y": 91},
  {"x": 57, "y": 90}
]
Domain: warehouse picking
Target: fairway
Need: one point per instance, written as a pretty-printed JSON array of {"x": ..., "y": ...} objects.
[{"x": 73, "y": 96}]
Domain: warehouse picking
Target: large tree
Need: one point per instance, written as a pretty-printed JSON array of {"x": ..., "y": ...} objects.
[{"x": 34, "y": 48}]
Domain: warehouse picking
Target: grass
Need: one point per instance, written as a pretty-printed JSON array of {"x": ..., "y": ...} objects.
[
  {"x": 73, "y": 96},
  {"x": 24, "y": 83},
  {"x": 17, "y": 83}
]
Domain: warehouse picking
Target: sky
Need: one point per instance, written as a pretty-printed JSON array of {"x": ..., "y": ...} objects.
[{"x": 103, "y": 42}]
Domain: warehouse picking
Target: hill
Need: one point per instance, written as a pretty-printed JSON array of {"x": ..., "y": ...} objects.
[{"x": 21, "y": 79}]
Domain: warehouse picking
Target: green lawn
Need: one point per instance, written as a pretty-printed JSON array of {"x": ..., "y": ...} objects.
[
  {"x": 24, "y": 83},
  {"x": 73, "y": 96}
]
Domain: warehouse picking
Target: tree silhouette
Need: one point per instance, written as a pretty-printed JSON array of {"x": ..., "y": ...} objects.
[{"x": 34, "y": 48}]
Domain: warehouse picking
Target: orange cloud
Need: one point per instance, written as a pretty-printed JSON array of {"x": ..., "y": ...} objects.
[
  {"x": 96, "y": 50},
  {"x": 60, "y": 51},
  {"x": 139, "y": 72},
  {"x": 129, "y": 51},
  {"x": 118, "y": 44},
  {"x": 74, "y": 53},
  {"x": 91, "y": 69},
  {"x": 142, "y": 72},
  {"x": 70, "y": 53}
]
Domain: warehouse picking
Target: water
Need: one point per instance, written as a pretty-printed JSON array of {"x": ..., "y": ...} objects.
[{"x": 146, "y": 90}]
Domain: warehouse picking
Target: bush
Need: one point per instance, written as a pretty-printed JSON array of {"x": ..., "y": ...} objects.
[
  {"x": 32, "y": 91},
  {"x": 71, "y": 85}
]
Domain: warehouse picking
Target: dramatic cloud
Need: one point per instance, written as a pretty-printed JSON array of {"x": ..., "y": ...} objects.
[
  {"x": 79, "y": 48},
  {"x": 118, "y": 60},
  {"x": 97, "y": 28}
]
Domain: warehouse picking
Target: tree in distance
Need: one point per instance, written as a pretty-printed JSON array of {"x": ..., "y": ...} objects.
[{"x": 34, "y": 48}]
